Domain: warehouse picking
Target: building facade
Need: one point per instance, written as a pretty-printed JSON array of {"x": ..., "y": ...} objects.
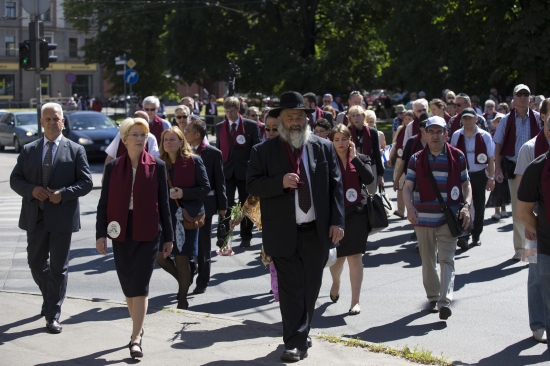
[{"x": 68, "y": 76}]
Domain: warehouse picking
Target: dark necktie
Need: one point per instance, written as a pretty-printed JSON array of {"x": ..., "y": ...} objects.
[
  {"x": 304, "y": 197},
  {"x": 234, "y": 131},
  {"x": 46, "y": 168}
]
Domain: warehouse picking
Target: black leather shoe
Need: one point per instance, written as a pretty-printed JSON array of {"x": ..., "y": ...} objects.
[
  {"x": 444, "y": 313},
  {"x": 53, "y": 326},
  {"x": 462, "y": 243},
  {"x": 309, "y": 342},
  {"x": 199, "y": 290},
  {"x": 476, "y": 241},
  {"x": 245, "y": 244},
  {"x": 293, "y": 355}
]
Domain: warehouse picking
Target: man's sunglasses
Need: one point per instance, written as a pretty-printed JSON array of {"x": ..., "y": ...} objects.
[
  {"x": 149, "y": 109},
  {"x": 523, "y": 94},
  {"x": 272, "y": 129},
  {"x": 180, "y": 117}
]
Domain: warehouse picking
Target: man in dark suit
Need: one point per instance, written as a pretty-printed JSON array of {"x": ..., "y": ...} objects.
[
  {"x": 211, "y": 111},
  {"x": 51, "y": 174},
  {"x": 214, "y": 202},
  {"x": 235, "y": 137},
  {"x": 297, "y": 177}
]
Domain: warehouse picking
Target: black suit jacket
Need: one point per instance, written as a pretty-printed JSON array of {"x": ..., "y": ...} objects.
[
  {"x": 212, "y": 159},
  {"x": 211, "y": 111},
  {"x": 70, "y": 174},
  {"x": 268, "y": 164},
  {"x": 235, "y": 166}
]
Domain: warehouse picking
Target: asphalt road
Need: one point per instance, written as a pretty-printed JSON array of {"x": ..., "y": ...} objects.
[{"x": 489, "y": 325}]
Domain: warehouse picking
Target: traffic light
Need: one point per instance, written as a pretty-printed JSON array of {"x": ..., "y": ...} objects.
[
  {"x": 45, "y": 57},
  {"x": 25, "y": 59}
]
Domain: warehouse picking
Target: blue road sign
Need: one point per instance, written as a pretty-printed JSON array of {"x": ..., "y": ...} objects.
[{"x": 131, "y": 76}]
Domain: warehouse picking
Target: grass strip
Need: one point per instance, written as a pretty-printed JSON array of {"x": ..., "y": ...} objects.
[{"x": 422, "y": 356}]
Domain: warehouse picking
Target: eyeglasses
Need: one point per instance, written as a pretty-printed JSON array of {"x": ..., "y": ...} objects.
[
  {"x": 149, "y": 109},
  {"x": 458, "y": 104},
  {"x": 420, "y": 110},
  {"x": 184, "y": 117},
  {"x": 435, "y": 133},
  {"x": 523, "y": 94},
  {"x": 136, "y": 135},
  {"x": 272, "y": 129}
]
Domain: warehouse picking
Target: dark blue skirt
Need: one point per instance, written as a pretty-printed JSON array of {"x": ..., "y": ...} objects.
[{"x": 134, "y": 262}]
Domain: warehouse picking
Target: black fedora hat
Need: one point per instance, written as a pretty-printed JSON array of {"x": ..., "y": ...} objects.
[{"x": 290, "y": 100}]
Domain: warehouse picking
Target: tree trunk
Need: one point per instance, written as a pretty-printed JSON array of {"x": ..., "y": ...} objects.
[{"x": 308, "y": 10}]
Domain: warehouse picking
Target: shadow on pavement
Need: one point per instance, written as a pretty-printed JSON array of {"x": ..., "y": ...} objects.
[
  {"x": 505, "y": 228},
  {"x": 92, "y": 359},
  {"x": 400, "y": 329},
  {"x": 234, "y": 305},
  {"x": 511, "y": 355},
  {"x": 487, "y": 274},
  {"x": 97, "y": 314},
  {"x": 374, "y": 244},
  {"x": 270, "y": 359},
  {"x": 405, "y": 253},
  {"x": 324, "y": 322},
  {"x": 8, "y": 337},
  {"x": 241, "y": 274}
]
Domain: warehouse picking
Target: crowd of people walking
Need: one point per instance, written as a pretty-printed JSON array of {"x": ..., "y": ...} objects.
[{"x": 312, "y": 163}]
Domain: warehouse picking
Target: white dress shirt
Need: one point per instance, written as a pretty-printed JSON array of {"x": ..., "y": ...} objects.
[
  {"x": 54, "y": 147},
  {"x": 302, "y": 217},
  {"x": 152, "y": 146},
  {"x": 470, "y": 144}
]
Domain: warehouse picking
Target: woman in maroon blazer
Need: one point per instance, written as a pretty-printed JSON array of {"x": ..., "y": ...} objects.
[{"x": 133, "y": 210}]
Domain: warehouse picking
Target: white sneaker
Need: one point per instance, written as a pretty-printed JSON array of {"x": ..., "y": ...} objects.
[
  {"x": 496, "y": 216},
  {"x": 517, "y": 256},
  {"x": 504, "y": 214},
  {"x": 540, "y": 335}
]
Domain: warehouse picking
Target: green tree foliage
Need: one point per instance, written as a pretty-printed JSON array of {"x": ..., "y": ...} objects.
[
  {"x": 466, "y": 45},
  {"x": 125, "y": 27}
]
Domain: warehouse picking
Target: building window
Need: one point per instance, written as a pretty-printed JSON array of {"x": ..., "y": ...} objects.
[
  {"x": 73, "y": 47},
  {"x": 47, "y": 16},
  {"x": 82, "y": 86},
  {"x": 10, "y": 9},
  {"x": 6, "y": 85},
  {"x": 45, "y": 85},
  {"x": 10, "y": 46}
]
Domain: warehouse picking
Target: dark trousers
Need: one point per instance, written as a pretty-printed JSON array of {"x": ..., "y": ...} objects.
[
  {"x": 478, "y": 181},
  {"x": 299, "y": 277},
  {"x": 205, "y": 252},
  {"x": 231, "y": 186},
  {"x": 51, "y": 277}
]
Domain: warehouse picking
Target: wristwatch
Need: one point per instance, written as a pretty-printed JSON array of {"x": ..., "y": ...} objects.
[
  {"x": 468, "y": 204},
  {"x": 491, "y": 178}
]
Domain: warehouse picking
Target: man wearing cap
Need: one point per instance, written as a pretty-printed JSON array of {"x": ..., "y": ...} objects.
[
  {"x": 508, "y": 139},
  {"x": 297, "y": 177},
  {"x": 535, "y": 101},
  {"x": 397, "y": 121},
  {"x": 462, "y": 101},
  {"x": 448, "y": 166},
  {"x": 477, "y": 145},
  {"x": 531, "y": 150},
  {"x": 235, "y": 137}
]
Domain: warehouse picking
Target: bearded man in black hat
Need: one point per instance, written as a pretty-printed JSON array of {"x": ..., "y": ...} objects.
[{"x": 297, "y": 177}]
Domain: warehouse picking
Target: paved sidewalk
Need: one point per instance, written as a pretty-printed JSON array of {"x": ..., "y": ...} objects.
[{"x": 96, "y": 332}]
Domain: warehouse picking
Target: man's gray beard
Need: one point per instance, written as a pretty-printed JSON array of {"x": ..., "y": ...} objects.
[{"x": 295, "y": 139}]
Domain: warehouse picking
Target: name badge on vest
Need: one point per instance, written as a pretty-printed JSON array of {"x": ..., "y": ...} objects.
[
  {"x": 113, "y": 229},
  {"x": 482, "y": 158},
  {"x": 241, "y": 140},
  {"x": 455, "y": 193},
  {"x": 400, "y": 152},
  {"x": 351, "y": 195}
]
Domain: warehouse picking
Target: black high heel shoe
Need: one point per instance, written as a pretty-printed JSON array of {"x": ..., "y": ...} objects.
[
  {"x": 334, "y": 298},
  {"x": 137, "y": 354}
]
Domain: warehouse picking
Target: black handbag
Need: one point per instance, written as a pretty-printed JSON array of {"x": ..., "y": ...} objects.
[
  {"x": 509, "y": 168},
  {"x": 452, "y": 213},
  {"x": 376, "y": 212}
]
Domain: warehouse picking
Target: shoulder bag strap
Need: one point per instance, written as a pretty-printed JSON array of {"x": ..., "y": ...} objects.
[
  {"x": 435, "y": 188},
  {"x": 170, "y": 185}
]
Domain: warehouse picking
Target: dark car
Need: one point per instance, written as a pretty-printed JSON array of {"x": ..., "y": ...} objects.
[
  {"x": 18, "y": 129},
  {"x": 93, "y": 130}
]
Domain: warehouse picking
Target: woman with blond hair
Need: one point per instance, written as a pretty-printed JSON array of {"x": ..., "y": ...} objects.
[
  {"x": 188, "y": 183},
  {"x": 366, "y": 142},
  {"x": 356, "y": 170},
  {"x": 133, "y": 211}
]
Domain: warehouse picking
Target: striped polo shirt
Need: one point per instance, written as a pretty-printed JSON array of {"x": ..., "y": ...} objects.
[{"x": 429, "y": 213}]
